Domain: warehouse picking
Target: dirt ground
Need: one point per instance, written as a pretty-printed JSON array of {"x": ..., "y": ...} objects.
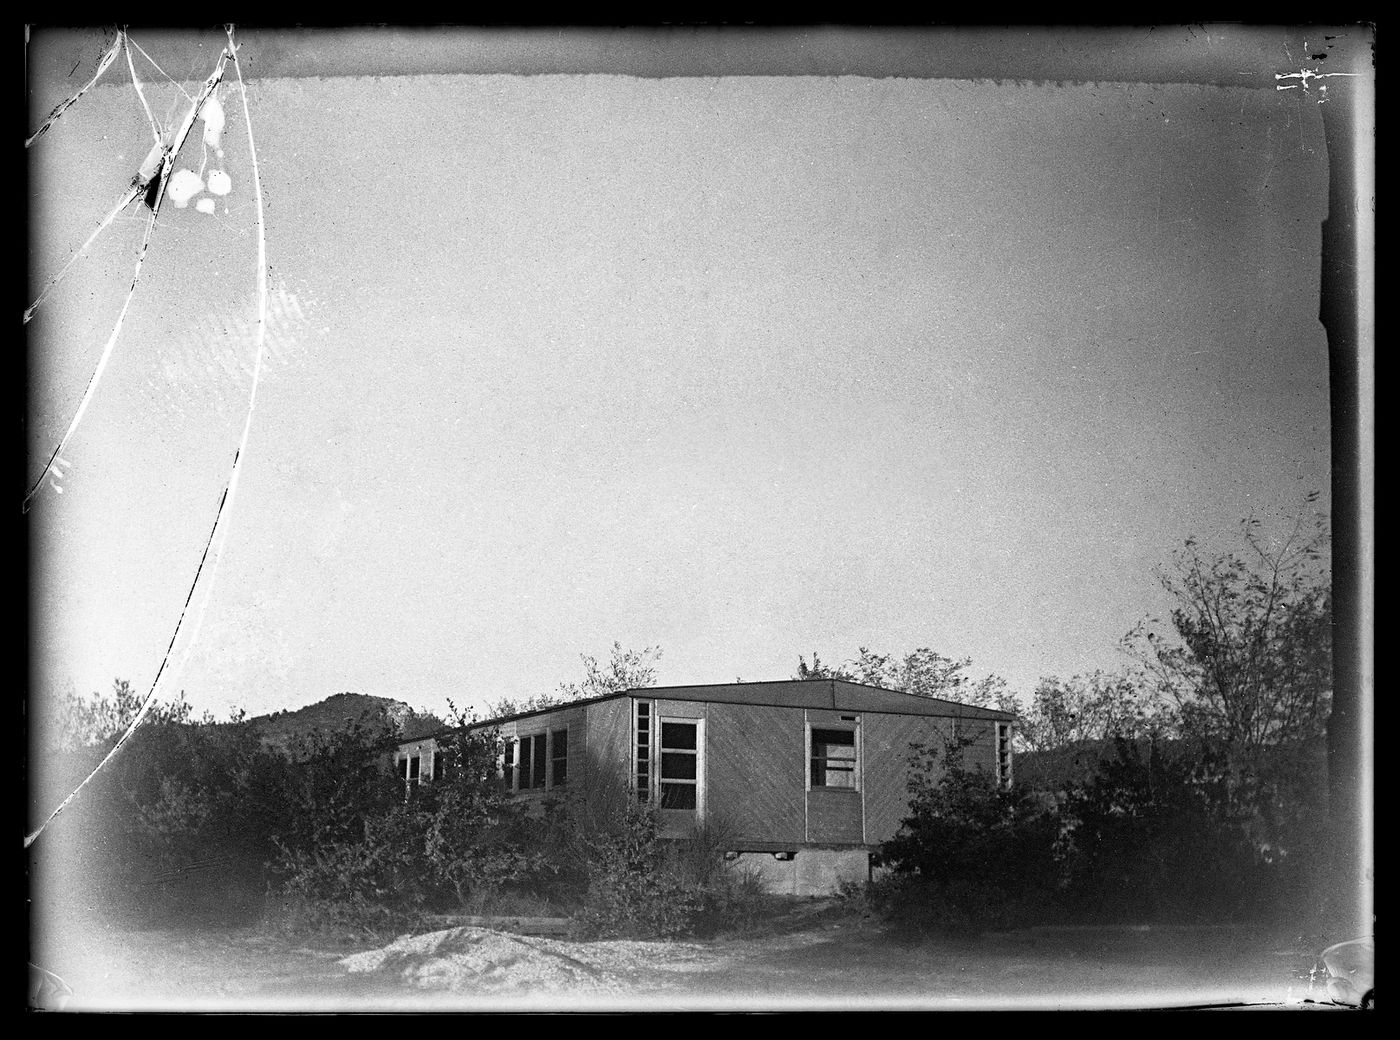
[{"x": 817, "y": 954}]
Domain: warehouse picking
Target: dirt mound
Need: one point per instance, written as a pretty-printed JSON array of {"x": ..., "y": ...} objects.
[{"x": 479, "y": 960}]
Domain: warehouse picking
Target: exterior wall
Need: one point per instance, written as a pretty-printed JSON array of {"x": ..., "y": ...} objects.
[
  {"x": 424, "y": 749},
  {"x": 887, "y": 740},
  {"x": 834, "y": 817},
  {"x": 681, "y": 709},
  {"x": 757, "y": 771},
  {"x": 608, "y": 742}
]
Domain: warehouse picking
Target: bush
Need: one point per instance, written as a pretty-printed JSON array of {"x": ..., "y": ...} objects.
[
  {"x": 360, "y": 846},
  {"x": 972, "y": 853},
  {"x": 1150, "y": 836},
  {"x": 1176, "y": 837},
  {"x": 633, "y": 890}
]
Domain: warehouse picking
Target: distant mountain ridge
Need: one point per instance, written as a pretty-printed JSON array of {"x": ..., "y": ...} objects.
[{"x": 338, "y": 711}]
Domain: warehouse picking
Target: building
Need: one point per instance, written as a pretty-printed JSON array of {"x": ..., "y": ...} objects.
[{"x": 805, "y": 777}]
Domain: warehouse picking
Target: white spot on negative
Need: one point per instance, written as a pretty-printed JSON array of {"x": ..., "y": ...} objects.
[
  {"x": 213, "y": 115},
  {"x": 205, "y": 205},
  {"x": 183, "y": 187},
  {"x": 219, "y": 183}
]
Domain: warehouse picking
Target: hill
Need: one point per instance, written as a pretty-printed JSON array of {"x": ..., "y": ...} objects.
[{"x": 338, "y": 711}]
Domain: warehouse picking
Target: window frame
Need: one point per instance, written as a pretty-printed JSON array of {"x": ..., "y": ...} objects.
[
  {"x": 857, "y": 760},
  {"x": 1003, "y": 753},
  {"x": 530, "y": 762},
  {"x": 508, "y": 764},
  {"x": 410, "y": 769},
  {"x": 558, "y": 763},
  {"x": 659, "y": 779},
  {"x": 642, "y": 775},
  {"x": 530, "y": 770}
]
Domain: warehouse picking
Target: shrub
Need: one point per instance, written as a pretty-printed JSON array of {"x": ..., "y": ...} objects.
[
  {"x": 633, "y": 891},
  {"x": 367, "y": 846},
  {"x": 1172, "y": 836},
  {"x": 972, "y": 853}
]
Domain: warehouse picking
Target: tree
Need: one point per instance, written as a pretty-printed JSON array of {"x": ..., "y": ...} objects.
[
  {"x": 88, "y": 721},
  {"x": 921, "y": 672},
  {"x": 1248, "y": 657},
  {"x": 625, "y": 670},
  {"x": 817, "y": 670},
  {"x": 1098, "y": 706}
]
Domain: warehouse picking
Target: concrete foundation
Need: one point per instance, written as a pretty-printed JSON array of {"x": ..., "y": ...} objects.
[{"x": 810, "y": 872}]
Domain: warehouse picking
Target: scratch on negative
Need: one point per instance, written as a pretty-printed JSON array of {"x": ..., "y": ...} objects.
[
  {"x": 1304, "y": 75},
  {"x": 101, "y": 364},
  {"x": 63, "y": 106},
  {"x": 257, "y": 363},
  {"x": 139, "y": 187},
  {"x": 136, "y": 82},
  {"x": 132, "y": 194},
  {"x": 229, "y": 489},
  {"x": 167, "y": 163}
]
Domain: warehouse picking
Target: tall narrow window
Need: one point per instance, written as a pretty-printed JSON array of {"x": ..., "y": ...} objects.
[
  {"x": 410, "y": 769},
  {"x": 534, "y": 761},
  {"x": 508, "y": 764},
  {"x": 559, "y": 758},
  {"x": 540, "y": 761},
  {"x": 1004, "y": 753},
  {"x": 834, "y": 758},
  {"x": 437, "y": 764},
  {"x": 523, "y": 768},
  {"x": 679, "y": 765},
  {"x": 643, "y": 751}
]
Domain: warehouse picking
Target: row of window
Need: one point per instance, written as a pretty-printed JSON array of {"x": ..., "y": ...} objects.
[
  {"x": 538, "y": 761},
  {"x": 541, "y": 760}
]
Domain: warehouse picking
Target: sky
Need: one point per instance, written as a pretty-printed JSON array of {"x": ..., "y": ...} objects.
[{"x": 740, "y": 367}]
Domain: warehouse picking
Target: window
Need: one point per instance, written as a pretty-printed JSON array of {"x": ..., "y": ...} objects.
[
  {"x": 541, "y": 762},
  {"x": 508, "y": 764},
  {"x": 410, "y": 769},
  {"x": 680, "y": 759},
  {"x": 532, "y": 763},
  {"x": 437, "y": 764},
  {"x": 642, "y": 756},
  {"x": 559, "y": 758},
  {"x": 1004, "y": 753},
  {"x": 834, "y": 758}
]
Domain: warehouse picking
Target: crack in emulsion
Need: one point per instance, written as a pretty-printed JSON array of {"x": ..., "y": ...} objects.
[
  {"x": 64, "y": 105},
  {"x": 153, "y": 193},
  {"x": 218, "y": 531}
]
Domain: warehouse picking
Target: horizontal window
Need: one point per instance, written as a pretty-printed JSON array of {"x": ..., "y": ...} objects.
[{"x": 677, "y": 765}]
